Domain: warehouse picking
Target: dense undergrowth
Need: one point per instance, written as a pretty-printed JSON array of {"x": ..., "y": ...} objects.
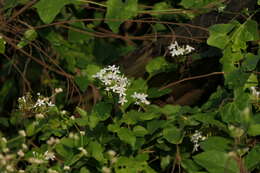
[{"x": 129, "y": 86}]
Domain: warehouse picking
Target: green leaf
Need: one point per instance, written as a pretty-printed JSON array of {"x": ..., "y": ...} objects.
[
  {"x": 238, "y": 111},
  {"x": 96, "y": 150},
  {"x": 153, "y": 125},
  {"x": 252, "y": 159},
  {"x": 119, "y": 11},
  {"x": 48, "y": 9},
  {"x": 254, "y": 130},
  {"x": 155, "y": 92},
  {"x": 217, "y": 162},
  {"x": 64, "y": 151},
  {"x": 171, "y": 109},
  {"x": 219, "y": 35},
  {"x": 84, "y": 170},
  {"x": 2, "y": 45},
  {"x": 81, "y": 112},
  {"x": 139, "y": 131},
  {"x": 29, "y": 36},
  {"x": 190, "y": 165},
  {"x": 258, "y": 2},
  {"x": 252, "y": 81},
  {"x": 216, "y": 143},
  {"x": 68, "y": 142},
  {"x": 247, "y": 31},
  {"x": 76, "y": 36},
  {"x": 209, "y": 118},
  {"x": 82, "y": 82},
  {"x": 165, "y": 161},
  {"x": 250, "y": 62},
  {"x": 31, "y": 129},
  {"x": 71, "y": 160},
  {"x": 102, "y": 110},
  {"x": 91, "y": 70},
  {"x": 127, "y": 136},
  {"x": 158, "y": 65},
  {"x": 173, "y": 135}
]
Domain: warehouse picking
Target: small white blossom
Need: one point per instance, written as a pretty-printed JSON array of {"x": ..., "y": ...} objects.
[
  {"x": 43, "y": 102},
  {"x": 39, "y": 116},
  {"x": 21, "y": 171},
  {"x": 140, "y": 98},
  {"x": 82, "y": 133},
  {"x": 255, "y": 93},
  {"x": 72, "y": 117},
  {"x": 35, "y": 160},
  {"x": 4, "y": 140},
  {"x": 39, "y": 103},
  {"x": 111, "y": 153},
  {"x": 22, "y": 133},
  {"x": 6, "y": 150},
  {"x": 83, "y": 150},
  {"x": 20, "y": 153},
  {"x": 24, "y": 146},
  {"x": 106, "y": 170},
  {"x": 196, "y": 138},
  {"x": 53, "y": 141},
  {"x": 114, "y": 160},
  {"x": 58, "y": 90},
  {"x": 67, "y": 168},
  {"x": 114, "y": 82},
  {"x": 49, "y": 155},
  {"x": 10, "y": 168},
  {"x": 176, "y": 50},
  {"x": 52, "y": 171}
]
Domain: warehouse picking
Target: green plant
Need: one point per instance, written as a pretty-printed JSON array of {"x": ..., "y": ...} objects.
[{"x": 93, "y": 117}]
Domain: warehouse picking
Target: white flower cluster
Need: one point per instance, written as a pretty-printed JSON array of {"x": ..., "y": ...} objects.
[
  {"x": 196, "y": 138},
  {"x": 176, "y": 50},
  {"x": 53, "y": 141},
  {"x": 43, "y": 102},
  {"x": 39, "y": 158},
  {"x": 255, "y": 93},
  {"x": 140, "y": 98},
  {"x": 114, "y": 81}
]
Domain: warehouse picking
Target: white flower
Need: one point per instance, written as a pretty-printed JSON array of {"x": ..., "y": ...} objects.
[
  {"x": 10, "y": 168},
  {"x": 24, "y": 146},
  {"x": 39, "y": 103},
  {"x": 176, "y": 50},
  {"x": 114, "y": 82},
  {"x": 106, "y": 170},
  {"x": 22, "y": 133},
  {"x": 67, "y": 168},
  {"x": 6, "y": 150},
  {"x": 111, "y": 153},
  {"x": 189, "y": 48},
  {"x": 35, "y": 160},
  {"x": 39, "y": 116},
  {"x": 82, "y": 133},
  {"x": 140, "y": 98},
  {"x": 20, "y": 153},
  {"x": 83, "y": 150},
  {"x": 196, "y": 138},
  {"x": 58, "y": 90},
  {"x": 52, "y": 171},
  {"x": 49, "y": 155},
  {"x": 72, "y": 117},
  {"x": 4, "y": 140}
]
